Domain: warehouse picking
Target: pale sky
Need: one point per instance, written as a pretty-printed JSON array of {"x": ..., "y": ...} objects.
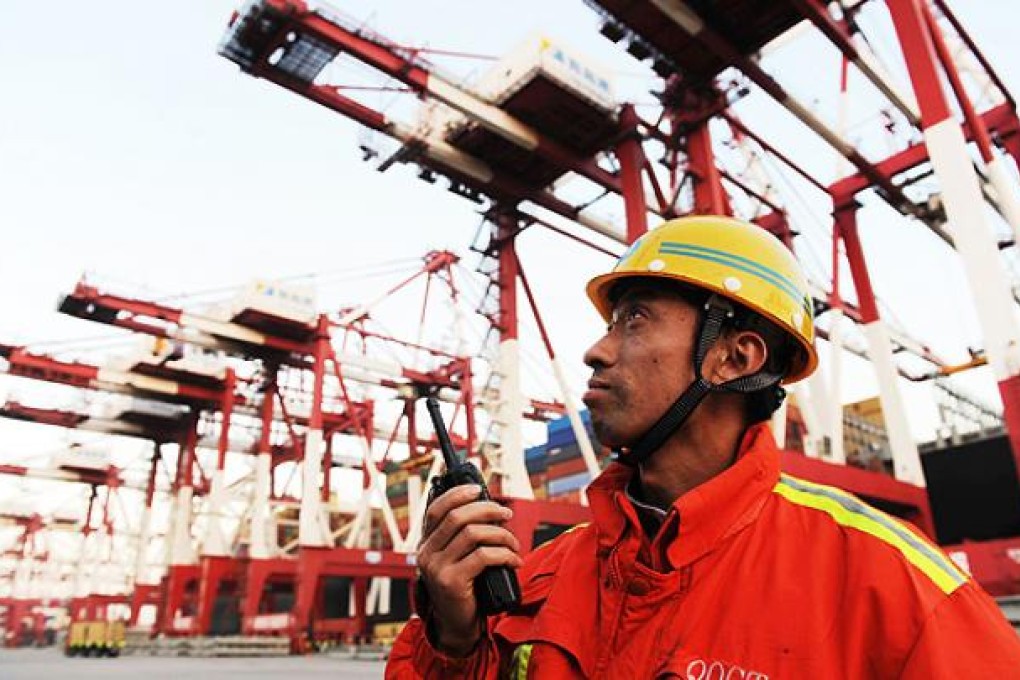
[{"x": 130, "y": 150}]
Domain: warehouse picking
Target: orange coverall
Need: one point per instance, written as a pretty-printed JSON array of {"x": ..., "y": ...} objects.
[{"x": 752, "y": 575}]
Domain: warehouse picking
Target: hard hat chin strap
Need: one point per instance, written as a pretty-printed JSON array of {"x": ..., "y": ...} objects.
[{"x": 717, "y": 311}]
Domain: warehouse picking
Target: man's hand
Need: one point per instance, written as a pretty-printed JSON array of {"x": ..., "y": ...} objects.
[{"x": 462, "y": 537}]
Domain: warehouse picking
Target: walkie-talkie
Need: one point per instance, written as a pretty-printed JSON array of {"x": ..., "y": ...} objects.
[{"x": 496, "y": 588}]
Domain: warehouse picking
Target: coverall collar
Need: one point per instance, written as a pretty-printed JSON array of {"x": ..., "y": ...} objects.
[{"x": 708, "y": 514}]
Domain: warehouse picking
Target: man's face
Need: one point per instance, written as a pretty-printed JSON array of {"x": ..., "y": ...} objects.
[{"x": 642, "y": 363}]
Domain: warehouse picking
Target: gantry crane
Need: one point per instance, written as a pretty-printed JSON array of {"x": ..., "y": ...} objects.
[
  {"x": 26, "y": 611},
  {"x": 511, "y": 142},
  {"x": 273, "y": 359}
]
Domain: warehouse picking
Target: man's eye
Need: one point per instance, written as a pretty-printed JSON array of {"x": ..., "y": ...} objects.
[
  {"x": 628, "y": 315},
  {"x": 634, "y": 313}
]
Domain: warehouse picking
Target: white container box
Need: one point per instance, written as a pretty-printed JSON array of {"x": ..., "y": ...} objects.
[
  {"x": 283, "y": 301},
  {"x": 572, "y": 71}
]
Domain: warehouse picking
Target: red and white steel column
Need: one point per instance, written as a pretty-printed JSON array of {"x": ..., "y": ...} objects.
[
  {"x": 510, "y": 412},
  {"x": 80, "y": 587},
  {"x": 972, "y": 233},
  {"x": 834, "y": 400},
  {"x": 1005, "y": 188},
  {"x": 21, "y": 587},
  {"x": 215, "y": 543},
  {"x": 632, "y": 162},
  {"x": 259, "y": 547},
  {"x": 709, "y": 195},
  {"x": 576, "y": 425},
  {"x": 906, "y": 459},
  {"x": 313, "y": 529},
  {"x": 144, "y": 530},
  {"x": 180, "y": 549}
]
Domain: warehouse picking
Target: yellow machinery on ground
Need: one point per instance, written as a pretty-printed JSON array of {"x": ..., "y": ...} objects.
[
  {"x": 386, "y": 633},
  {"x": 95, "y": 638}
]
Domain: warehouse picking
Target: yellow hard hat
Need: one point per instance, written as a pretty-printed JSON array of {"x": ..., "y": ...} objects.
[{"x": 736, "y": 260}]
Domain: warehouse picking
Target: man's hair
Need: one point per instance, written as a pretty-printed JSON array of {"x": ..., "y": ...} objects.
[{"x": 781, "y": 348}]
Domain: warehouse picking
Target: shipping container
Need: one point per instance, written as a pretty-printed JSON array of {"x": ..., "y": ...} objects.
[
  {"x": 563, "y": 424},
  {"x": 398, "y": 489},
  {"x": 569, "y": 483},
  {"x": 865, "y": 439},
  {"x": 567, "y": 497},
  {"x": 566, "y": 468},
  {"x": 561, "y": 83},
  {"x": 567, "y": 438},
  {"x": 285, "y": 301},
  {"x": 537, "y": 465},
  {"x": 563, "y": 452}
]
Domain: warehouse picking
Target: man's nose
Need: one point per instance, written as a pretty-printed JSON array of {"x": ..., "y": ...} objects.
[{"x": 601, "y": 354}]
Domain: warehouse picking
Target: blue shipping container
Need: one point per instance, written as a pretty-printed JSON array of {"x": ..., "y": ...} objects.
[
  {"x": 568, "y": 484},
  {"x": 559, "y": 454},
  {"x": 566, "y": 437},
  {"x": 563, "y": 423},
  {"x": 537, "y": 464}
]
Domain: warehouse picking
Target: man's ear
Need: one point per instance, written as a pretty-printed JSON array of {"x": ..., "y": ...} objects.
[{"x": 736, "y": 354}]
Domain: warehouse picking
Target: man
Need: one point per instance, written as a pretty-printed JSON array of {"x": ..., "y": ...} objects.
[{"x": 702, "y": 561}]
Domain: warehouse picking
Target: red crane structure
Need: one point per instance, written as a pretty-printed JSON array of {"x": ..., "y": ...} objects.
[
  {"x": 25, "y": 612},
  {"x": 105, "y": 481},
  {"x": 545, "y": 115},
  {"x": 289, "y": 381}
]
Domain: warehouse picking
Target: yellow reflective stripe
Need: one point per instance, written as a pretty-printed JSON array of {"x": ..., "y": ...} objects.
[
  {"x": 848, "y": 511},
  {"x": 522, "y": 657},
  {"x": 568, "y": 531}
]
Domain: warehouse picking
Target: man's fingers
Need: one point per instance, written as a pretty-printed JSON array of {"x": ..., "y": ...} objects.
[
  {"x": 476, "y": 535},
  {"x": 455, "y": 497},
  {"x": 489, "y": 556},
  {"x": 457, "y": 578},
  {"x": 477, "y": 512}
]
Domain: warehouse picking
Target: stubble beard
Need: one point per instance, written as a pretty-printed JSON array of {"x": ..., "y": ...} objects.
[{"x": 602, "y": 420}]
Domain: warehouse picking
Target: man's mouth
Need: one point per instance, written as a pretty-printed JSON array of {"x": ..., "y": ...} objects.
[{"x": 596, "y": 388}]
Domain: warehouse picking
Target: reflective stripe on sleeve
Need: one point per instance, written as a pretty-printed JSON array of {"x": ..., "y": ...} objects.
[
  {"x": 848, "y": 511},
  {"x": 519, "y": 664}
]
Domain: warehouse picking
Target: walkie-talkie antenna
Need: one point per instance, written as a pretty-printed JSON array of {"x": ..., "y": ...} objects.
[{"x": 445, "y": 445}]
